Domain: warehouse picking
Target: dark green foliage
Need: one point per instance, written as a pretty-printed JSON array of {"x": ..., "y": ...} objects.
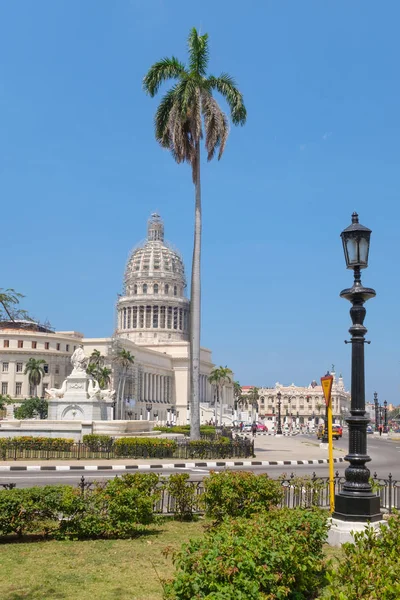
[
  {"x": 184, "y": 494},
  {"x": 144, "y": 447},
  {"x": 34, "y": 443},
  {"x": 31, "y": 408},
  {"x": 272, "y": 555},
  {"x": 96, "y": 442},
  {"x": 370, "y": 568},
  {"x": 239, "y": 494},
  {"x": 185, "y": 429}
]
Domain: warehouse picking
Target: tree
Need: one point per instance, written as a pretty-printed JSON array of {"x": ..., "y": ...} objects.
[
  {"x": 4, "y": 400},
  {"x": 35, "y": 371},
  {"x": 237, "y": 393},
  {"x": 97, "y": 370},
  {"x": 186, "y": 112},
  {"x": 32, "y": 408},
  {"x": 254, "y": 395},
  {"x": 104, "y": 377},
  {"x": 125, "y": 360},
  {"x": 9, "y": 300},
  {"x": 220, "y": 376}
]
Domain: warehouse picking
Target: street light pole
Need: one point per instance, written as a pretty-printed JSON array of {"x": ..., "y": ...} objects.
[
  {"x": 356, "y": 501},
  {"x": 279, "y": 430},
  {"x": 385, "y": 422},
  {"x": 376, "y": 404}
]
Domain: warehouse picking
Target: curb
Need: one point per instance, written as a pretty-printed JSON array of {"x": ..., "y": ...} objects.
[{"x": 185, "y": 465}]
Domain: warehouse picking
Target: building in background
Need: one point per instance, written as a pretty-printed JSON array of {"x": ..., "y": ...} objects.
[{"x": 152, "y": 324}]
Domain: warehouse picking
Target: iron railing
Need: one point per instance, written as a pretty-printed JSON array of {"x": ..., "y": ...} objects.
[
  {"x": 181, "y": 449},
  {"x": 297, "y": 492}
]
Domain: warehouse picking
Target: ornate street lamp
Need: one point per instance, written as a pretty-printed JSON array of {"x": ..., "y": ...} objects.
[
  {"x": 279, "y": 430},
  {"x": 385, "y": 422},
  {"x": 376, "y": 404},
  {"x": 356, "y": 501},
  {"x": 149, "y": 406}
]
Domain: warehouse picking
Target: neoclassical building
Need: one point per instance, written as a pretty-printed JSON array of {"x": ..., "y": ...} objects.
[
  {"x": 153, "y": 315},
  {"x": 299, "y": 405}
]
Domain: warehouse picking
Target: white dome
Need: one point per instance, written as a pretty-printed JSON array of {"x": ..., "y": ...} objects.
[{"x": 154, "y": 308}]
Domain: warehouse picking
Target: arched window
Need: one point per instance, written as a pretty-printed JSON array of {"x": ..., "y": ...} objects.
[
  {"x": 175, "y": 290},
  {"x": 166, "y": 289},
  {"x": 144, "y": 288},
  {"x": 135, "y": 289},
  {"x": 155, "y": 288}
]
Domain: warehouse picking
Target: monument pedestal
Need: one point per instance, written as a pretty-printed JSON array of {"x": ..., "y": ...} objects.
[{"x": 76, "y": 404}]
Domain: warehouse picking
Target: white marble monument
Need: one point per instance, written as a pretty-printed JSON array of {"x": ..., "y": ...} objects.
[{"x": 80, "y": 398}]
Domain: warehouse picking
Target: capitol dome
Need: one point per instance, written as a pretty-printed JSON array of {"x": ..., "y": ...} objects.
[{"x": 154, "y": 308}]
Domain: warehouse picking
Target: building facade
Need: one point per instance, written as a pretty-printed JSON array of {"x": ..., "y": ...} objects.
[{"x": 153, "y": 315}]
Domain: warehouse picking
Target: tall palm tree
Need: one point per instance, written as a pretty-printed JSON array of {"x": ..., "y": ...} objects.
[
  {"x": 220, "y": 376},
  {"x": 104, "y": 377},
  {"x": 35, "y": 371},
  {"x": 124, "y": 359},
  {"x": 186, "y": 112},
  {"x": 254, "y": 395},
  {"x": 96, "y": 358},
  {"x": 237, "y": 394},
  {"x": 9, "y": 299}
]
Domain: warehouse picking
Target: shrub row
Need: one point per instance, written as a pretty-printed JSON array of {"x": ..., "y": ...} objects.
[
  {"x": 36, "y": 443},
  {"x": 185, "y": 429}
]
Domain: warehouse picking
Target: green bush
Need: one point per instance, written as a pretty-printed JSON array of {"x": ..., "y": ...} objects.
[
  {"x": 145, "y": 447},
  {"x": 239, "y": 494},
  {"x": 272, "y": 555},
  {"x": 186, "y": 500},
  {"x": 96, "y": 442},
  {"x": 118, "y": 509},
  {"x": 32, "y": 408},
  {"x": 185, "y": 429},
  {"x": 36, "y": 443},
  {"x": 370, "y": 568}
]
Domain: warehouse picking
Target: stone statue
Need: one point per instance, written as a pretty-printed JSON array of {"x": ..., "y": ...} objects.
[
  {"x": 57, "y": 392},
  {"x": 107, "y": 395},
  {"x": 93, "y": 388},
  {"x": 79, "y": 360}
]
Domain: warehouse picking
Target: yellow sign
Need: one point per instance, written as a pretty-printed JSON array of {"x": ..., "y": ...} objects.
[{"x": 326, "y": 383}]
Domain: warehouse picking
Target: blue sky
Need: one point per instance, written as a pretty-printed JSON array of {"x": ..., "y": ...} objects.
[{"x": 80, "y": 172}]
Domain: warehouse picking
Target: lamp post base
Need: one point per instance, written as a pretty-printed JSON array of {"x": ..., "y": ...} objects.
[
  {"x": 357, "y": 508},
  {"x": 342, "y": 532}
]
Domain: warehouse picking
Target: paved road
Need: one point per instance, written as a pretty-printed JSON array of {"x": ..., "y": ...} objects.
[{"x": 383, "y": 452}]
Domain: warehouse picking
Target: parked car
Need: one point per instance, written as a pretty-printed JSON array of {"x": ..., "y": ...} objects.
[
  {"x": 370, "y": 429},
  {"x": 337, "y": 432},
  {"x": 247, "y": 428},
  {"x": 262, "y": 427}
]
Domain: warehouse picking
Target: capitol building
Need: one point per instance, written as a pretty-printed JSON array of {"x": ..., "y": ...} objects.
[{"x": 153, "y": 314}]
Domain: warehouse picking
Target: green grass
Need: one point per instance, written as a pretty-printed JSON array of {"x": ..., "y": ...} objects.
[
  {"x": 97, "y": 570},
  {"x": 94, "y": 570}
]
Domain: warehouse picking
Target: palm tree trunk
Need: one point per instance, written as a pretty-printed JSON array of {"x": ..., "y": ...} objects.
[{"x": 195, "y": 310}]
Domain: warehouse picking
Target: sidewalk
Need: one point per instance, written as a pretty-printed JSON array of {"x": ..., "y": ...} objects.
[{"x": 269, "y": 451}]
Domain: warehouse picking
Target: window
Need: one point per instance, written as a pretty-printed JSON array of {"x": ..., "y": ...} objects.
[
  {"x": 57, "y": 369},
  {"x": 134, "y": 317},
  {"x": 148, "y": 317},
  {"x": 155, "y": 288},
  {"x": 141, "y": 317},
  {"x": 129, "y": 317},
  {"x": 135, "y": 289},
  {"x": 18, "y": 388},
  {"x": 162, "y": 317},
  {"x": 144, "y": 288},
  {"x": 34, "y": 345},
  {"x": 67, "y": 348},
  {"x": 46, "y": 368},
  {"x": 58, "y": 346},
  {"x": 20, "y": 343},
  {"x": 155, "y": 317},
  {"x": 175, "y": 318},
  {"x": 175, "y": 290},
  {"x": 6, "y": 343},
  {"x": 4, "y": 388},
  {"x": 19, "y": 367},
  {"x": 166, "y": 289},
  {"x": 169, "y": 318},
  {"x": 46, "y": 345},
  {"x": 124, "y": 320},
  {"x": 5, "y": 367},
  {"x": 180, "y": 319}
]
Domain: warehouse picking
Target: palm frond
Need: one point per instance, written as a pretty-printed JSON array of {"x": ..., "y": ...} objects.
[
  {"x": 198, "y": 53},
  {"x": 162, "y": 117},
  {"x": 216, "y": 125},
  {"x": 226, "y": 86},
  {"x": 166, "y": 68}
]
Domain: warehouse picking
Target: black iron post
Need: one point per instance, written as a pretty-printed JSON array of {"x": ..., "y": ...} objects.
[
  {"x": 356, "y": 501},
  {"x": 385, "y": 422},
  {"x": 279, "y": 430},
  {"x": 376, "y": 404}
]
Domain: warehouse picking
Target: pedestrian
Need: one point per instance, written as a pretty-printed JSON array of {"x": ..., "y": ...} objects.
[
  {"x": 241, "y": 426},
  {"x": 380, "y": 429},
  {"x": 254, "y": 429}
]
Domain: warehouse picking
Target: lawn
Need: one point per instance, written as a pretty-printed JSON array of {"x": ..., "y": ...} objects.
[{"x": 100, "y": 570}]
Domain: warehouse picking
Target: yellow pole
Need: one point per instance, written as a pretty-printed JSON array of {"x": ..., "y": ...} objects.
[{"x": 330, "y": 446}]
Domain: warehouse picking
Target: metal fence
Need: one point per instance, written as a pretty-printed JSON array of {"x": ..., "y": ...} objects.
[
  {"x": 297, "y": 492},
  {"x": 181, "y": 449}
]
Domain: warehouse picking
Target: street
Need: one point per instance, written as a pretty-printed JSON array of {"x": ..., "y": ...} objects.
[{"x": 384, "y": 455}]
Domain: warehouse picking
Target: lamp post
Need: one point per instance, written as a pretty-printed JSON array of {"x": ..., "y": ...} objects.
[
  {"x": 279, "y": 430},
  {"x": 356, "y": 501},
  {"x": 149, "y": 406},
  {"x": 385, "y": 422},
  {"x": 376, "y": 404}
]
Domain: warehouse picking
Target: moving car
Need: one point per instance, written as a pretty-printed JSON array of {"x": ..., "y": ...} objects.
[
  {"x": 261, "y": 427},
  {"x": 337, "y": 432}
]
